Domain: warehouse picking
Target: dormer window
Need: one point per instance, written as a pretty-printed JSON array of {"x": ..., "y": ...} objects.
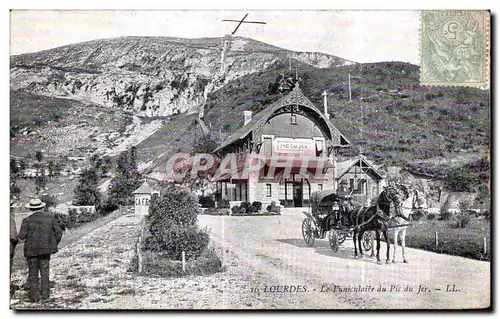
[{"x": 293, "y": 119}]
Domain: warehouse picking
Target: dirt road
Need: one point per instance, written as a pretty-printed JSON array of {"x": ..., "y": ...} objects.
[
  {"x": 273, "y": 247},
  {"x": 267, "y": 266}
]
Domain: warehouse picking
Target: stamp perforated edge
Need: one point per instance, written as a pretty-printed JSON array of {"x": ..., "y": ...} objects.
[{"x": 485, "y": 83}]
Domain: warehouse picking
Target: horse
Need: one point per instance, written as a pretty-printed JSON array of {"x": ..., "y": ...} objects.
[
  {"x": 406, "y": 211},
  {"x": 376, "y": 218}
]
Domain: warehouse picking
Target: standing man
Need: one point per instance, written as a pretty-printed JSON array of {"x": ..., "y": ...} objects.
[
  {"x": 13, "y": 237},
  {"x": 41, "y": 233}
]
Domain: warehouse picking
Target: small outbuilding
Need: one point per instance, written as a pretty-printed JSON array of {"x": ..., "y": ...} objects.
[
  {"x": 142, "y": 197},
  {"x": 362, "y": 177}
]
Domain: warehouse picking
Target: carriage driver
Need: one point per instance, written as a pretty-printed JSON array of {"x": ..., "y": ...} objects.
[{"x": 343, "y": 194}]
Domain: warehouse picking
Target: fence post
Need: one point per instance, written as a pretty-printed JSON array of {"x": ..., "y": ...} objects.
[
  {"x": 437, "y": 242},
  {"x": 183, "y": 261},
  {"x": 139, "y": 250},
  {"x": 139, "y": 255},
  {"x": 484, "y": 246}
]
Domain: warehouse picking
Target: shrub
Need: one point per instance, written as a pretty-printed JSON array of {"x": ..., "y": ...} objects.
[
  {"x": 49, "y": 200},
  {"x": 462, "y": 179},
  {"x": 257, "y": 206},
  {"x": 176, "y": 206},
  {"x": 107, "y": 208},
  {"x": 446, "y": 216},
  {"x": 64, "y": 221},
  {"x": 417, "y": 215},
  {"x": 431, "y": 216},
  {"x": 273, "y": 208},
  {"x": 172, "y": 241},
  {"x": 235, "y": 209},
  {"x": 242, "y": 210},
  {"x": 217, "y": 211},
  {"x": 462, "y": 219},
  {"x": 206, "y": 202},
  {"x": 172, "y": 225},
  {"x": 247, "y": 206}
]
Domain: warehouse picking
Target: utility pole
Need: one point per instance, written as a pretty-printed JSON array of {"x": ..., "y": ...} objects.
[
  {"x": 350, "y": 96},
  {"x": 325, "y": 104},
  {"x": 227, "y": 39}
]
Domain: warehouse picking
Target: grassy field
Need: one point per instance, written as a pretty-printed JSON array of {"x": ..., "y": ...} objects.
[
  {"x": 465, "y": 242},
  {"x": 32, "y": 110}
]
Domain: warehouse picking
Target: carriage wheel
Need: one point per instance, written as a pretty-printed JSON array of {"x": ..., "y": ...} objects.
[
  {"x": 334, "y": 240},
  {"x": 308, "y": 231},
  {"x": 367, "y": 241}
]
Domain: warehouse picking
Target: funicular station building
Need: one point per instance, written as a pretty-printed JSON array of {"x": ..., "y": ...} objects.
[{"x": 294, "y": 129}]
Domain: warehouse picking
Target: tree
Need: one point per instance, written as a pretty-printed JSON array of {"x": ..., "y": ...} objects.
[
  {"x": 54, "y": 169},
  {"x": 121, "y": 188},
  {"x": 49, "y": 200},
  {"x": 206, "y": 144},
  {"x": 15, "y": 190},
  {"x": 126, "y": 181},
  {"x": 86, "y": 192},
  {"x": 40, "y": 181},
  {"x": 14, "y": 167},
  {"x": 133, "y": 158},
  {"x": 462, "y": 179},
  {"x": 22, "y": 165}
]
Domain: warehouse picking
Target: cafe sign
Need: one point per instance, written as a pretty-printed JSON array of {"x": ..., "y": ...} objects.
[{"x": 294, "y": 146}]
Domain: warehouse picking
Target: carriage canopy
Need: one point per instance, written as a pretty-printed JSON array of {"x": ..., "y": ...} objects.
[{"x": 323, "y": 199}]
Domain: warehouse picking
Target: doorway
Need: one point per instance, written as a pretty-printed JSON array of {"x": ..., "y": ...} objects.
[
  {"x": 294, "y": 192},
  {"x": 298, "y": 194}
]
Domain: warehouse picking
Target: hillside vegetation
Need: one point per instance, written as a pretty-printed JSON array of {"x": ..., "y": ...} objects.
[
  {"x": 62, "y": 127},
  {"x": 391, "y": 118}
]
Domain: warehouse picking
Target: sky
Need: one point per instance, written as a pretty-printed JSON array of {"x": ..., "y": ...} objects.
[{"x": 361, "y": 36}]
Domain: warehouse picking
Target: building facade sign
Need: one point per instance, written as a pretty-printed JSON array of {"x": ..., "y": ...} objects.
[{"x": 294, "y": 146}]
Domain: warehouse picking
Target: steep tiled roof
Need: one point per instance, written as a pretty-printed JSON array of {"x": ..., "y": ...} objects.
[
  {"x": 344, "y": 166},
  {"x": 295, "y": 95}
]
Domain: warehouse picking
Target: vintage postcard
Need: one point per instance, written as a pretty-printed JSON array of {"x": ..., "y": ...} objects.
[{"x": 276, "y": 160}]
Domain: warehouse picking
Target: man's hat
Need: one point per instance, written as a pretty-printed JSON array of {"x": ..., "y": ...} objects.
[{"x": 35, "y": 204}]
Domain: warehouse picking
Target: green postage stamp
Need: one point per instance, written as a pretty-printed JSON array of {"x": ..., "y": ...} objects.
[{"x": 455, "y": 48}]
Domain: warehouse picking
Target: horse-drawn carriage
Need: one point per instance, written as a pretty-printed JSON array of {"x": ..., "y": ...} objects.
[
  {"x": 336, "y": 215},
  {"x": 329, "y": 215}
]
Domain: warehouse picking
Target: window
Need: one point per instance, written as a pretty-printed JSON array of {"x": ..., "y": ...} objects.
[
  {"x": 293, "y": 119},
  {"x": 268, "y": 190},
  {"x": 268, "y": 146},
  {"x": 362, "y": 186},
  {"x": 320, "y": 187},
  {"x": 319, "y": 147}
]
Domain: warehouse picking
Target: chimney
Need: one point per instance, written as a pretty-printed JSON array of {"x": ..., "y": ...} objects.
[
  {"x": 325, "y": 104},
  {"x": 248, "y": 116}
]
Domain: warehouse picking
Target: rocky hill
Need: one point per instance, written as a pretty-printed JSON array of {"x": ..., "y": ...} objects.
[{"x": 150, "y": 76}]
